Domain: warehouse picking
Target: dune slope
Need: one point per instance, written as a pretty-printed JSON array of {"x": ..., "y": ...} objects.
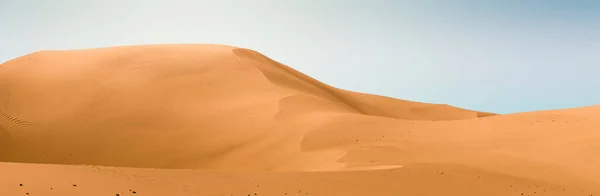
[
  {"x": 158, "y": 106},
  {"x": 189, "y": 114}
]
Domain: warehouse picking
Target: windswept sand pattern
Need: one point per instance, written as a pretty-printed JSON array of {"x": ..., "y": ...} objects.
[
  {"x": 15, "y": 121},
  {"x": 221, "y": 120}
]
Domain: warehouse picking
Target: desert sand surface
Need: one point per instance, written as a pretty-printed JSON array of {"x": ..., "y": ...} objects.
[{"x": 201, "y": 119}]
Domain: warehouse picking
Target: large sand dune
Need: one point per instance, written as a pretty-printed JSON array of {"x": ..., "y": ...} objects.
[{"x": 221, "y": 120}]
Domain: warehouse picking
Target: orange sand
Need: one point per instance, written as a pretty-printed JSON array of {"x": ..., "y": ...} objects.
[{"x": 221, "y": 120}]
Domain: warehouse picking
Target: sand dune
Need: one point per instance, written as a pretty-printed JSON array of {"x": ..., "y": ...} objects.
[{"x": 220, "y": 120}]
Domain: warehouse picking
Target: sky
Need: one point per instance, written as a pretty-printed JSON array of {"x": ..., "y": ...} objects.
[{"x": 502, "y": 56}]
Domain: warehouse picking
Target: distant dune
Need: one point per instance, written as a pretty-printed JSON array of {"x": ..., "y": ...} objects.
[{"x": 222, "y": 120}]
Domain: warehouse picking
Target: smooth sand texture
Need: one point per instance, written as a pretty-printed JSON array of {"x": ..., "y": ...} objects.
[{"x": 220, "y": 120}]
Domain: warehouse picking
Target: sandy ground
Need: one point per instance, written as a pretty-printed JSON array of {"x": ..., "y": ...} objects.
[{"x": 221, "y": 120}]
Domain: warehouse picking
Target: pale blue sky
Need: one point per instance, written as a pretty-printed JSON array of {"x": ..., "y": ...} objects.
[{"x": 500, "y": 56}]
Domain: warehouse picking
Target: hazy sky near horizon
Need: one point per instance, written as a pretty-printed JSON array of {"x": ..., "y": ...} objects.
[{"x": 501, "y": 56}]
